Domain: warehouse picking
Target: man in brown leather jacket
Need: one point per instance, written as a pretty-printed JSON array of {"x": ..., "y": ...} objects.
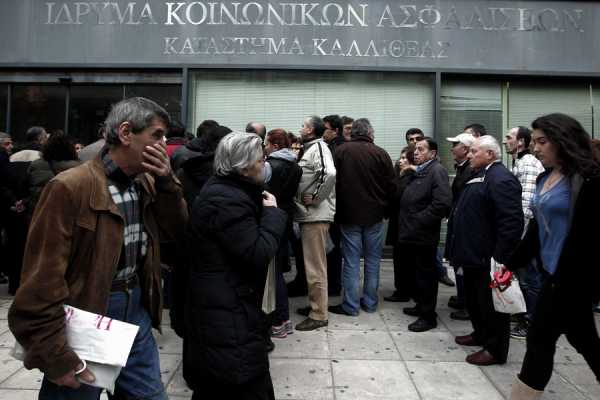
[{"x": 94, "y": 244}]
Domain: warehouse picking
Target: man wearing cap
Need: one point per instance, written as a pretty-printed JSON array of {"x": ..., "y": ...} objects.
[{"x": 461, "y": 145}]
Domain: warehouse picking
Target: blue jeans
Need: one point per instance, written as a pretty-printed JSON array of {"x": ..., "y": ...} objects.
[
  {"x": 356, "y": 241},
  {"x": 140, "y": 378},
  {"x": 530, "y": 280}
]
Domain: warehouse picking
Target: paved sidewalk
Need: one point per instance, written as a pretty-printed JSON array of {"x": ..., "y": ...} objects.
[{"x": 372, "y": 356}]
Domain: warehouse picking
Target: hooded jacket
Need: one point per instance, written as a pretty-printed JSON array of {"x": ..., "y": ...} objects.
[
  {"x": 318, "y": 180},
  {"x": 282, "y": 176}
]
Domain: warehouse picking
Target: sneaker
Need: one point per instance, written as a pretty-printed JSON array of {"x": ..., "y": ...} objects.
[
  {"x": 279, "y": 331},
  {"x": 310, "y": 324},
  {"x": 519, "y": 332},
  {"x": 289, "y": 327}
]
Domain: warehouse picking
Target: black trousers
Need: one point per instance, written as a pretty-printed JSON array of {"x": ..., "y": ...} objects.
[
  {"x": 559, "y": 312},
  {"x": 491, "y": 328},
  {"x": 418, "y": 277},
  {"x": 260, "y": 388}
]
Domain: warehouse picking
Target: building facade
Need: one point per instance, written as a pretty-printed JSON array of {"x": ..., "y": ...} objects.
[{"x": 436, "y": 65}]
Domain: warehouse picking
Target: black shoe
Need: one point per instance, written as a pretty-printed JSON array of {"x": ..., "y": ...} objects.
[
  {"x": 455, "y": 303},
  {"x": 397, "y": 298},
  {"x": 296, "y": 290},
  {"x": 422, "y": 325},
  {"x": 310, "y": 324},
  {"x": 304, "y": 311},
  {"x": 412, "y": 311},
  {"x": 340, "y": 310},
  {"x": 445, "y": 279},
  {"x": 460, "y": 315}
]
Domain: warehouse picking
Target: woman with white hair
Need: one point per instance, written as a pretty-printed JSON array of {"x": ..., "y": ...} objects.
[{"x": 234, "y": 231}]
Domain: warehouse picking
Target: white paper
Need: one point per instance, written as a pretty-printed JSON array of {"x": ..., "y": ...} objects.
[{"x": 104, "y": 343}]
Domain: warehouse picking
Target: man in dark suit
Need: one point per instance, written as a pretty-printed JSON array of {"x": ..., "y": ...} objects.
[{"x": 486, "y": 224}]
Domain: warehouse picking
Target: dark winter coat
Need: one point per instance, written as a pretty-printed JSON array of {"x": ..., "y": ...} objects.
[
  {"x": 232, "y": 239},
  {"x": 424, "y": 203},
  {"x": 194, "y": 173},
  {"x": 487, "y": 220},
  {"x": 364, "y": 182},
  {"x": 285, "y": 178},
  {"x": 578, "y": 269},
  {"x": 400, "y": 184},
  {"x": 192, "y": 149},
  {"x": 464, "y": 173}
]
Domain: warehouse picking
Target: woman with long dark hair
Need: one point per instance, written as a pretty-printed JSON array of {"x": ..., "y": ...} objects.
[{"x": 566, "y": 213}]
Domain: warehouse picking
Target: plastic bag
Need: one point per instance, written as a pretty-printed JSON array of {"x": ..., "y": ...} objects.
[{"x": 508, "y": 297}]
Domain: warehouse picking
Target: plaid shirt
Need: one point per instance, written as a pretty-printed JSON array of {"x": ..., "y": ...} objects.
[
  {"x": 527, "y": 168},
  {"x": 125, "y": 193}
]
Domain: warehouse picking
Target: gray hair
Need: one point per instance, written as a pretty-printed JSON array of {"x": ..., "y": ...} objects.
[
  {"x": 488, "y": 142},
  {"x": 4, "y": 137},
  {"x": 138, "y": 111},
  {"x": 236, "y": 151},
  {"x": 361, "y": 127}
]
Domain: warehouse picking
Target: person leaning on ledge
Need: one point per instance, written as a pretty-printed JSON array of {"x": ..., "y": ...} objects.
[{"x": 94, "y": 244}]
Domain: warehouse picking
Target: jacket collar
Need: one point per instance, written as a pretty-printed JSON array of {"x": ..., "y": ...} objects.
[
  {"x": 426, "y": 166},
  {"x": 362, "y": 138},
  {"x": 100, "y": 198}
]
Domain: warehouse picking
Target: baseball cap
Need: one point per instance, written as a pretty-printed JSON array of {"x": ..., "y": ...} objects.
[{"x": 465, "y": 138}]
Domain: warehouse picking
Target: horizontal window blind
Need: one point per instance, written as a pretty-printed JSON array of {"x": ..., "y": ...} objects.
[
  {"x": 467, "y": 102},
  {"x": 527, "y": 101},
  {"x": 393, "y": 102}
]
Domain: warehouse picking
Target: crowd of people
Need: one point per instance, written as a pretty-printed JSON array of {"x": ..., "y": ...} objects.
[{"x": 215, "y": 220}]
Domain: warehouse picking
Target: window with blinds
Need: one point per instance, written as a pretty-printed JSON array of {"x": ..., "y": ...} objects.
[
  {"x": 529, "y": 100},
  {"x": 467, "y": 102},
  {"x": 393, "y": 102}
]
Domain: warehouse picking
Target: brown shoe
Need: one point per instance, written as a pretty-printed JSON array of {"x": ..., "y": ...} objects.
[
  {"x": 466, "y": 340},
  {"x": 482, "y": 358},
  {"x": 310, "y": 324}
]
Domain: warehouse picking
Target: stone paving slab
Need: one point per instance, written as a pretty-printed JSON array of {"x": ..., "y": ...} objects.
[{"x": 372, "y": 356}]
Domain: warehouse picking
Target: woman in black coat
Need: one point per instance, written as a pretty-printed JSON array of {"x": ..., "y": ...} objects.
[
  {"x": 405, "y": 169},
  {"x": 561, "y": 235},
  {"x": 282, "y": 180},
  {"x": 234, "y": 231}
]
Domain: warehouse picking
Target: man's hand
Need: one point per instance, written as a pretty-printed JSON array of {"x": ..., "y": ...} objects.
[
  {"x": 269, "y": 200},
  {"x": 70, "y": 378},
  {"x": 308, "y": 199},
  {"x": 157, "y": 160}
]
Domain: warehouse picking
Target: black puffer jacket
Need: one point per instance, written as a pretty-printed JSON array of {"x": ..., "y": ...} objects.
[
  {"x": 424, "y": 203},
  {"x": 285, "y": 178},
  {"x": 233, "y": 239}
]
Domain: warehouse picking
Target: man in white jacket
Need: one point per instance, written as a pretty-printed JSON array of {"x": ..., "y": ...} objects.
[{"x": 315, "y": 203}]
